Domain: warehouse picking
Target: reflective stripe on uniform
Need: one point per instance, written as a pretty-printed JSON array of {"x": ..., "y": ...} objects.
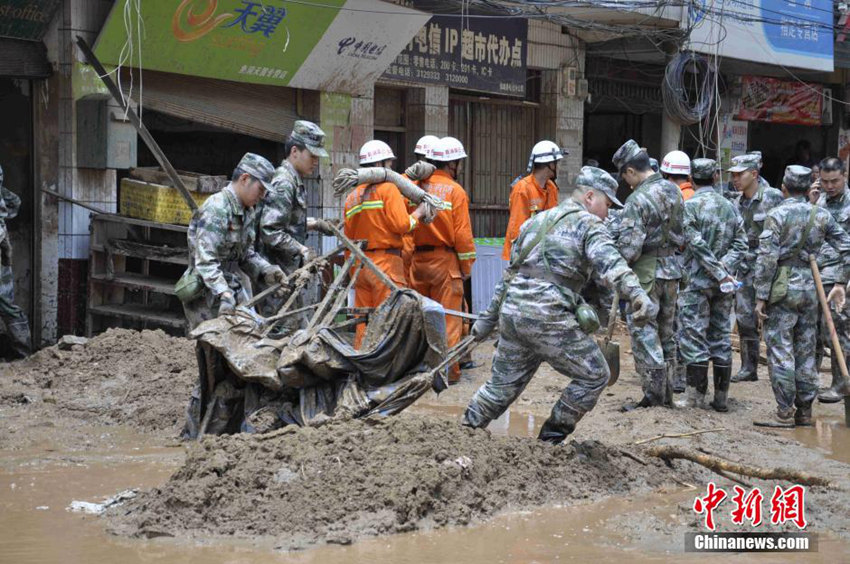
[
  {"x": 366, "y": 205},
  {"x": 466, "y": 256}
]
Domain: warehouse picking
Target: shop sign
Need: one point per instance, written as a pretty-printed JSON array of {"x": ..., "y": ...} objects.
[
  {"x": 780, "y": 101},
  {"x": 26, "y": 19},
  {"x": 472, "y": 53},
  {"x": 332, "y": 45},
  {"x": 778, "y": 32}
]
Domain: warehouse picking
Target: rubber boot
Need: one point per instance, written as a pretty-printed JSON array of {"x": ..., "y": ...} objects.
[
  {"x": 697, "y": 384},
  {"x": 680, "y": 378},
  {"x": 839, "y": 387},
  {"x": 749, "y": 362},
  {"x": 562, "y": 421},
  {"x": 19, "y": 337},
  {"x": 803, "y": 415},
  {"x": 783, "y": 419},
  {"x": 722, "y": 377},
  {"x": 657, "y": 389}
]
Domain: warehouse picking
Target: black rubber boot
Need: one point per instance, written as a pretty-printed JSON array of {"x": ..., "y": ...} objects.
[
  {"x": 803, "y": 415},
  {"x": 839, "y": 387},
  {"x": 19, "y": 337},
  {"x": 749, "y": 361},
  {"x": 680, "y": 377},
  {"x": 697, "y": 380},
  {"x": 722, "y": 377},
  {"x": 562, "y": 421}
]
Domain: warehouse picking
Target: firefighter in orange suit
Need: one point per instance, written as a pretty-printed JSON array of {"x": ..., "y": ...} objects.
[
  {"x": 422, "y": 150},
  {"x": 378, "y": 214},
  {"x": 444, "y": 249},
  {"x": 536, "y": 192}
]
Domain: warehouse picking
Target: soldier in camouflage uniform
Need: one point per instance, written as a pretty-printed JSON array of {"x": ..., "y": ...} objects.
[
  {"x": 835, "y": 198},
  {"x": 792, "y": 232},
  {"x": 716, "y": 244},
  {"x": 754, "y": 202},
  {"x": 221, "y": 243},
  {"x": 17, "y": 325},
  {"x": 537, "y": 307},
  {"x": 282, "y": 237},
  {"x": 650, "y": 234}
]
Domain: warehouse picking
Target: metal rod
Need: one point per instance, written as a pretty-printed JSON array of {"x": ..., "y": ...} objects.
[
  {"x": 356, "y": 250},
  {"x": 137, "y": 123},
  {"x": 75, "y": 202}
]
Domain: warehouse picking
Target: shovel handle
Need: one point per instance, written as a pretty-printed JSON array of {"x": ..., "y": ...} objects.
[
  {"x": 827, "y": 316},
  {"x": 612, "y": 315}
]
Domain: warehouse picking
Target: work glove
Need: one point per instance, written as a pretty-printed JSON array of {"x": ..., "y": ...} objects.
[
  {"x": 323, "y": 226},
  {"x": 643, "y": 309},
  {"x": 227, "y": 305},
  {"x": 837, "y": 296},
  {"x": 307, "y": 254},
  {"x": 274, "y": 275},
  {"x": 482, "y": 328},
  {"x": 425, "y": 212},
  {"x": 761, "y": 312},
  {"x": 420, "y": 170}
]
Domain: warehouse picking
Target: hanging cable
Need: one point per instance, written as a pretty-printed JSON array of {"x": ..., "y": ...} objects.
[{"x": 676, "y": 98}]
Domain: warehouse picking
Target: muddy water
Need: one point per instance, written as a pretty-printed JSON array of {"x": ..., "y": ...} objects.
[
  {"x": 37, "y": 485},
  {"x": 830, "y": 436}
]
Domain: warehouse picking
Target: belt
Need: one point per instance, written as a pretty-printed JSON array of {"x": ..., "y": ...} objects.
[
  {"x": 660, "y": 253},
  {"x": 229, "y": 265},
  {"x": 395, "y": 252},
  {"x": 429, "y": 248},
  {"x": 573, "y": 284},
  {"x": 795, "y": 262}
]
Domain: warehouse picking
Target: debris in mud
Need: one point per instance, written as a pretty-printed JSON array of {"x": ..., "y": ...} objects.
[
  {"x": 357, "y": 478},
  {"x": 97, "y": 508},
  {"x": 138, "y": 378}
]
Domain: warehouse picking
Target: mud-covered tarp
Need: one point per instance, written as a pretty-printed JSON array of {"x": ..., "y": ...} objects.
[{"x": 250, "y": 382}]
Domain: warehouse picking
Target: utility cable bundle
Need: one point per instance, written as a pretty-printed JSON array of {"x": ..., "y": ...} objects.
[{"x": 677, "y": 100}]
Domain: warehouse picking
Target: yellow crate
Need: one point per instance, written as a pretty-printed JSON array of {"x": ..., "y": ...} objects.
[{"x": 155, "y": 202}]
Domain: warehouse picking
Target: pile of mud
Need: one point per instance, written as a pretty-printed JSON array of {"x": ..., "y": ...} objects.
[
  {"x": 138, "y": 378},
  {"x": 346, "y": 480}
]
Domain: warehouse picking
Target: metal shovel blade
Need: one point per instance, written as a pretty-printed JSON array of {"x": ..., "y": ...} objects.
[{"x": 611, "y": 352}]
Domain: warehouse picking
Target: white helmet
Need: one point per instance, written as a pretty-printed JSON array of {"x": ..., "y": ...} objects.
[
  {"x": 676, "y": 162},
  {"x": 546, "y": 152},
  {"x": 447, "y": 149},
  {"x": 374, "y": 152},
  {"x": 425, "y": 144}
]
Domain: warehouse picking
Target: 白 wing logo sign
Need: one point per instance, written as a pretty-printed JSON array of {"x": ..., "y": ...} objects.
[{"x": 330, "y": 45}]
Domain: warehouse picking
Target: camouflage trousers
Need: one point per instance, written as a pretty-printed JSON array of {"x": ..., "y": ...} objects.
[
  {"x": 17, "y": 325},
  {"x": 206, "y": 306},
  {"x": 704, "y": 332},
  {"x": 841, "y": 320},
  {"x": 745, "y": 313},
  {"x": 790, "y": 332},
  {"x": 523, "y": 345},
  {"x": 654, "y": 344}
]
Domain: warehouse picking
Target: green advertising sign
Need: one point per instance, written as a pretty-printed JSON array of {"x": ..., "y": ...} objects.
[{"x": 264, "y": 42}]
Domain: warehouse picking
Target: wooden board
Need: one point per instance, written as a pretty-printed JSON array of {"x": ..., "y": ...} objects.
[{"x": 194, "y": 181}]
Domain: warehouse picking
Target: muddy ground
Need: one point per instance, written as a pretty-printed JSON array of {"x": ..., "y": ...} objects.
[{"x": 419, "y": 471}]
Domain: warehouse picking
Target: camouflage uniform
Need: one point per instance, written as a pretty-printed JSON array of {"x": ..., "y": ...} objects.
[
  {"x": 17, "y": 325},
  {"x": 754, "y": 211},
  {"x": 830, "y": 264},
  {"x": 535, "y": 303},
  {"x": 716, "y": 244},
  {"x": 221, "y": 240},
  {"x": 282, "y": 237},
  {"x": 651, "y": 230},
  {"x": 791, "y": 329}
]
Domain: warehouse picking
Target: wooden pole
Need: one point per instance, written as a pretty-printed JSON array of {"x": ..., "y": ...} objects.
[
  {"x": 833, "y": 336},
  {"x": 137, "y": 123}
]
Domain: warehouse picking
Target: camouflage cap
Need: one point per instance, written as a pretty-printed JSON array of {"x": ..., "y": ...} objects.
[
  {"x": 311, "y": 135},
  {"x": 628, "y": 151},
  {"x": 703, "y": 168},
  {"x": 744, "y": 162},
  {"x": 258, "y": 167},
  {"x": 598, "y": 179},
  {"x": 797, "y": 177},
  {"x": 758, "y": 154},
  {"x": 653, "y": 163}
]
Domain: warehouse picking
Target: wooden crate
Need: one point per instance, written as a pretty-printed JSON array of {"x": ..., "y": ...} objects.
[
  {"x": 155, "y": 202},
  {"x": 133, "y": 266}
]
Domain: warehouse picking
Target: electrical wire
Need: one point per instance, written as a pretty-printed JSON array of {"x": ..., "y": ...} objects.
[{"x": 677, "y": 103}]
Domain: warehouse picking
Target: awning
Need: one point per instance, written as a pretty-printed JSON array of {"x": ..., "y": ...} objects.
[
  {"x": 328, "y": 45},
  {"x": 23, "y": 59}
]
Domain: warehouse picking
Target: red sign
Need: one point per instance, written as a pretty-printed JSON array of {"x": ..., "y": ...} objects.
[
  {"x": 786, "y": 506},
  {"x": 780, "y": 101}
]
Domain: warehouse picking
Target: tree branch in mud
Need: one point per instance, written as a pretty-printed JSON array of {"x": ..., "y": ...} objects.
[
  {"x": 719, "y": 465},
  {"x": 679, "y": 435}
]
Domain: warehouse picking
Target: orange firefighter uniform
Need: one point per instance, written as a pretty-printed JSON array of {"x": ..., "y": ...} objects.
[
  {"x": 527, "y": 199},
  {"x": 687, "y": 190},
  {"x": 377, "y": 213},
  {"x": 444, "y": 252}
]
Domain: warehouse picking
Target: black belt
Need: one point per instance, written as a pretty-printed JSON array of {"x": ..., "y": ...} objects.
[
  {"x": 396, "y": 252},
  {"x": 660, "y": 253},
  {"x": 795, "y": 262},
  {"x": 429, "y": 248},
  {"x": 535, "y": 272}
]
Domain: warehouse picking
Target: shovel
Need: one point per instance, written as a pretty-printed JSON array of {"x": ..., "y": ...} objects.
[{"x": 611, "y": 349}]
